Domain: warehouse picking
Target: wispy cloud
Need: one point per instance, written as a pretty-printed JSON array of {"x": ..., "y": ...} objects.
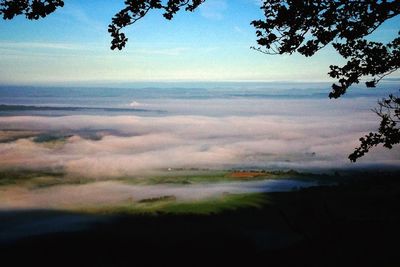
[
  {"x": 172, "y": 51},
  {"x": 258, "y": 2},
  {"x": 214, "y": 9},
  {"x": 78, "y": 14},
  {"x": 176, "y": 51},
  {"x": 238, "y": 29},
  {"x": 42, "y": 45}
]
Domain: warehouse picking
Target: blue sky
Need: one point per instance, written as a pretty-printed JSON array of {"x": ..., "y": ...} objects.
[{"x": 211, "y": 44}]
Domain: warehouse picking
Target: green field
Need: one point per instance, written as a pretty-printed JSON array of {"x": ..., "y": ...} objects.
[
  {"x": 38, "y": 178},
  {"x": 169, "y": 205},
  {"x": 53, "y": 177},
  {"x": 351, "y": 224}
]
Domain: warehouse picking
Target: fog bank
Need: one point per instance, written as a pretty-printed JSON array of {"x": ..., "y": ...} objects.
[{"x": 303, "y": 135}]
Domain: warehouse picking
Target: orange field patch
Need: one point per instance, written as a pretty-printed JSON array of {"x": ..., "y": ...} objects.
[{"x": 246, "y": 174}]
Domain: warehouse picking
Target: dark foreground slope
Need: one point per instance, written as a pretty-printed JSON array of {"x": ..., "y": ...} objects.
[{"x": 356, "y": 224}]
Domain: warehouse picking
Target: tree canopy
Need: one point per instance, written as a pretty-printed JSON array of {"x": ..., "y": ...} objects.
[
  {"x": 289, "y": 26},
  {"x": 32, "y": 9}
]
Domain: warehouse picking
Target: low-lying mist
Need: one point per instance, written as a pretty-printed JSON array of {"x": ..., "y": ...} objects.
[{"x": 318, "y": 137}]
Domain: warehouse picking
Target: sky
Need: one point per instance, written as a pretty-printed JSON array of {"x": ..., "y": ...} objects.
[{"x": 211, "y": 44}]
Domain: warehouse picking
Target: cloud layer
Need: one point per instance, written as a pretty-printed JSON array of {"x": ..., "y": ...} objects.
[{"x": 111, "y": 146}]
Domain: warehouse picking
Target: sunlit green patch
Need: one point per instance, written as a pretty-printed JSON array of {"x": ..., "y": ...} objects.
[
  {"x": 43, "y": 138},
  {"x": 51, "y": 141},
  {"x": 211, "y": 176},
  {"x": 184, "y": 177},
  {"x": 181, "y": 177},
  {"x": 168, "y": 205},
  {"x": 54, "y": 177},
  {"x": 48, "y": 181},
  {"x": 13, "y": 135},
  {"x": 33, "y": 179},
  {"x": 211, "y": 206},
  {"x": 17, "y": 177}
]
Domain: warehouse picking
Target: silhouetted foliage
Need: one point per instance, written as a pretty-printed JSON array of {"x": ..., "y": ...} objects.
[
  {"x": 289, "y": 26},
  {"x": 307, "y": 26},
  {"x": 135, "y": 10},
  {"x": 32, "y": 9},
  {"x": 388, "y": 133}
]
